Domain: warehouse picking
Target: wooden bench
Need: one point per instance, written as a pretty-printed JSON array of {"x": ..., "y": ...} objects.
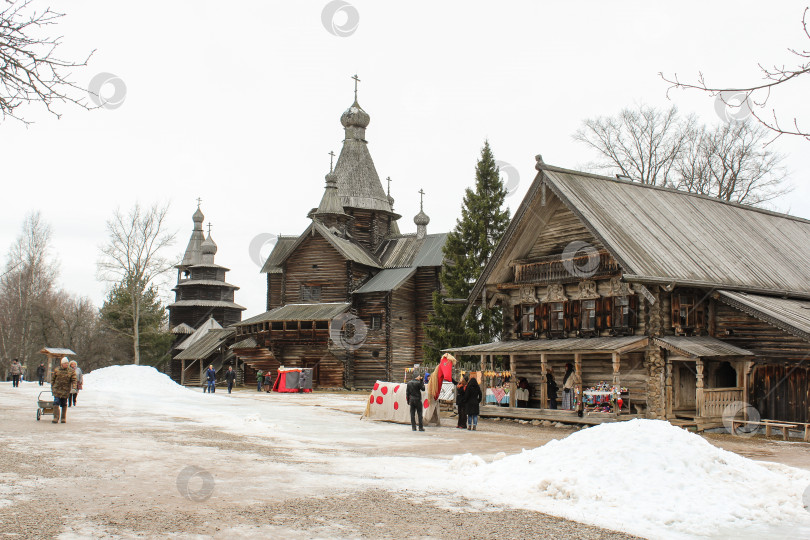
[{"x": 770, "y": 424}]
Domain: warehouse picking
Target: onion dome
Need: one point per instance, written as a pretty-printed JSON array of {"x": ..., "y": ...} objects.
[
  {"x": 355, "y": 116},
  {"x": 208, "y": 247},
  {"x": 198, "y": 218},
  {"x": 421, "y": 219}
]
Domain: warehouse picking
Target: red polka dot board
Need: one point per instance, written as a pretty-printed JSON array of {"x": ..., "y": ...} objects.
[{"x": 387, "y": 403}]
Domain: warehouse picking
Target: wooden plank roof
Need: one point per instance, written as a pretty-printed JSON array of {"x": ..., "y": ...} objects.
[
  {"x": 205, "y": 303},
  {"x": 663, "y": 235},
  {"x": 279, "y": 254},
  {"x": 299, "y": 312},
  {"x": 571, "y": 345},
  {"x": 700, "y": 346},
  {"x": 56, "y": 351},
  {"x": 387, "y": 280},
  {"x": 405, "y": 251},
  {"x": 792, "y": 316},
  {"x": 206, "y": 345}
]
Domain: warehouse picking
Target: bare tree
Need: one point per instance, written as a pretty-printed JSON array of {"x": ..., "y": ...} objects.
[
  {"x": 729, "y": 161},
  {"x": 30, "y": 70},
  {"x": 643, "y": 143},
  {"x": 752, "y": 99},
  {"x": 732, "y": 162},
  {"x": 24, "y": 287},
  {"x": 133, "y": 257}
]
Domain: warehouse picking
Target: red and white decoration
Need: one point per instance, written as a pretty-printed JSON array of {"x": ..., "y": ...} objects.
[{"x": 387, "y": 402}]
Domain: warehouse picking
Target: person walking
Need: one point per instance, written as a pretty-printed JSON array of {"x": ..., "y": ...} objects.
[
  {"x": 472, "y": 401},
  {"x": 462, "y": 412},
  {"x": 230, "y": 378},
  {"x": 413, "y": 395},
  {"x": 268, "y": 381},
  {"x": 74, "y": 390},
  {"x": 211, "y": 377},
  {"x": 259, "y": 381},
  {"x": 551, "y": 389},
  {"x": 41, "y": 374},
  {"x": 62, "y": 381},
  {"x": 16, "y": 373}
]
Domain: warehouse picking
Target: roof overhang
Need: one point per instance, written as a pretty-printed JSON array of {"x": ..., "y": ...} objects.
[
  {"x": 595, "y": 345},
  {"x": 700, "y": 347},
  {"x": 790, "y": 315}
]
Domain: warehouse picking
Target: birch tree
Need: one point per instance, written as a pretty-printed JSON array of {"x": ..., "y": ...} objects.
[{"x": 133, "y": 257}]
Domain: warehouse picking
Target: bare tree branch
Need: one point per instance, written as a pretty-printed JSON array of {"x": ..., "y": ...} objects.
[
  {"x": 30, "y": 71},
  {"x": 741, "y": 101}
]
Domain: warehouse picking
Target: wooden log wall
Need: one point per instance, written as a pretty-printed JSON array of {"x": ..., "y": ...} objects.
[
  {"x": 370, "y": 358},
  {"x": 369, "y": 228},
  {"x": 403, "y": 329},
  {"x": 563, "y": 228},
  {"x": 426, "y": 280},
  {"x": 328, "y": 369},
  {"x": 217, "y": 274},
  {"x": 316, "y": 262},
  {"x": 766, "y": 341},
  {"x": 273, "y": 291}
]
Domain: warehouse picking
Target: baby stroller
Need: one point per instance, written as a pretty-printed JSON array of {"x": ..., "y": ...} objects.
[{"x": 44, "y": 406}]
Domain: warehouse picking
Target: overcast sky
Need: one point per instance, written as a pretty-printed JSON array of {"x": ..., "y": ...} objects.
[{"x": 239, "y": 104}]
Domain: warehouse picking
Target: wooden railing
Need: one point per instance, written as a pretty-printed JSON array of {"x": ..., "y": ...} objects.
[
  {"x": 582, "y": 264},
  {"x": 715, "y": 400}
]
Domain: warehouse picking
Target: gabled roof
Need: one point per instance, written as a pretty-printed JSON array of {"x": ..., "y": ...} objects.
[
  {"x": 700, "y": 346},
  {"x": 662, "y": 235},
  {"x": 299, "y": 312},
  {"x": 206, "y": 345},
  {"x": 387, "y": 280},
  {"x": 348, "y": 249},
  {"x": 279, "y": 254},
  {"x": 792, "y": 316},
  {"x": 182, "y": 328},
  {"x": 210, "y": 324},
  {"x": 405, "y": 251},
  {"x": 55, "y": 351}
]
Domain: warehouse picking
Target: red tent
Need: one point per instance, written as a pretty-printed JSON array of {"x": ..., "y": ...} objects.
[{"x": 293, "y": 380}]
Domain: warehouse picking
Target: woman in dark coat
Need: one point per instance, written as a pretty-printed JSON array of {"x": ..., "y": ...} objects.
[
  {"x": 462, "y": 412},
  {"x": 472, "y": 398}
]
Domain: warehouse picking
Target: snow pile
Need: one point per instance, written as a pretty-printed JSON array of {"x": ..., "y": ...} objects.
[
  {"x": 643, "y": 476},
  {"x": 133, "y": 379}
]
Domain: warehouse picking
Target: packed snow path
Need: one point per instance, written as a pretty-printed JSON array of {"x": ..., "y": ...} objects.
[{"x": 141, "y": 455}]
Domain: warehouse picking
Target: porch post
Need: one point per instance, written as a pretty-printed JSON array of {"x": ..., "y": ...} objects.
[
  {"x": 746, "y": 378},
  {"x": 543, "y": 385},
  {"x": 483, "y": 381},
  {"x": 578, "y": 388},
  {"x": 699, "y": 386},
  {"x": 668, "y": 386},
  {"x": 512, "y": 383},
  {"x": 616, "y": 382},
  {"x": 182, "y": 372}
]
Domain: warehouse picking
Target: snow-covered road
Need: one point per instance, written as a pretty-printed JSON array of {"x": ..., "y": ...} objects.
[{"x": 144, "y": 439}]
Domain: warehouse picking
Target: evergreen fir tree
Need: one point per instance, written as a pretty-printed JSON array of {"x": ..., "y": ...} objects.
[{"x": 468, "y": 249}]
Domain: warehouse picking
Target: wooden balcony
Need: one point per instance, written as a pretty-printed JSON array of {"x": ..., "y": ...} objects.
[{"x": 583, "y": 264}]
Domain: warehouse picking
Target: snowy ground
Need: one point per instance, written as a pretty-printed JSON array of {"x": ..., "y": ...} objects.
[{"x": 142, "y": 457}]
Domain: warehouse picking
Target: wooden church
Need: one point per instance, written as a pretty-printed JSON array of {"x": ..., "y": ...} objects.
[
  {"x": 684, "y": 307},
  {"x": 204, "y": 301},
  {"x": 349, "y": 295}
]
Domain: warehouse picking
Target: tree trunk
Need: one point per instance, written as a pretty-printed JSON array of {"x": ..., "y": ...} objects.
[{"x": 136, "y": 331}]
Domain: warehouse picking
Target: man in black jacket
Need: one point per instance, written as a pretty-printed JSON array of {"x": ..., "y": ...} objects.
[
  {"x": 41, "y": 374},
  {"x": 413, "y": 394},
  {"x": 230, "y": 378}
]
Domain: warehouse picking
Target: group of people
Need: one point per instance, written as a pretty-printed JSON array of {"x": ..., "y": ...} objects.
[
  {"x": 211, "y": 379},
  {"x": 570, "y": 381},
  {"x": 264, "y": 381},
  {"x": 66, "y": 382},
  {"x": 468, "y": 401}
]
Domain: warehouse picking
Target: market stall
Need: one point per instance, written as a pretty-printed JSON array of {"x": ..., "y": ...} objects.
[{"x": 293, "y": 380}]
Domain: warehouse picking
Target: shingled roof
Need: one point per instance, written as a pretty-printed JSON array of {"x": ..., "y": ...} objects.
[{"x": 662, "y": 235}]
